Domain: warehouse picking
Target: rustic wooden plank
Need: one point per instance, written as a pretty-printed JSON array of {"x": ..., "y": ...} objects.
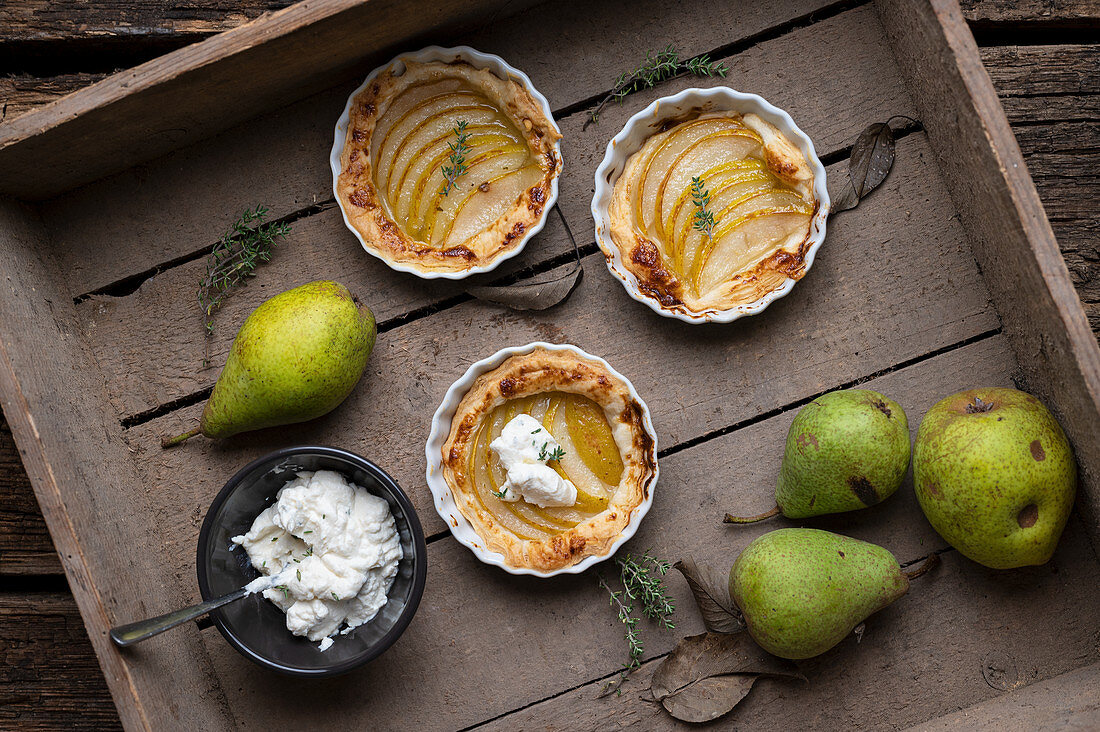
[
  {"x": 72, "y": 21},
  {"x": 49, "y": 677},
  {"x": 1012, "y": 239},
  {"x": 83, "y": 476},
  {"x": 568, "y": 635},
  {"x": 844, "y": 321},
  {"x": 137, "y": 115},
  {"x": 158, "y": 324},
  {"x": 1048, "y": 13},
  {"x": 151, "y": 223},
  {"x": 25, "y": 546},
  {"x": 919, "y": 658},
  {"x": 1064, "y": 702},
  {"x": 1065, "y": 68},
  {"x": 21, "y": 93}
]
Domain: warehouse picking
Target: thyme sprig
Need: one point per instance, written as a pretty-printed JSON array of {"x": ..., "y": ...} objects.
[
  {"x": 459, "y": 148},
  {"x": 242, "y": 248},
  {"x": 643, "y": 583},
  {"x": 703, "y": 220},
  {"x": 556, "y": 454},
  {"x": 662, "y": 66}
]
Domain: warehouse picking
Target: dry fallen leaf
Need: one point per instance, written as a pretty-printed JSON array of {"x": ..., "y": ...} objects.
[
  {"x": 707, "y": 675},
  {"x": 538, "y": 295},
  {"x": 712, "y": 595},
  {"x": 870, "y": 162}
]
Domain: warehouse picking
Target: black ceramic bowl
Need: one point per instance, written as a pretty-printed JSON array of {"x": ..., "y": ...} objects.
[{"x": 254, "y": 626}]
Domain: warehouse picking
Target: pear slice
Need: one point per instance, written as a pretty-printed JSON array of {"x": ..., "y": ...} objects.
[
  {"x": 395, "y": 156},
  {"x": 437, "y": 210},
  {"x": 498, "y": 197},
  {"x": 592, "y": 439},
  {"x": 399, "y": 107},
  {"x": 427, "y": 168},
  {"x": 743, "y": 243},
  {"x": 415, "y": 118},
  {"x": 478, "y": 470},
  {"x": 721, "y": 145}
]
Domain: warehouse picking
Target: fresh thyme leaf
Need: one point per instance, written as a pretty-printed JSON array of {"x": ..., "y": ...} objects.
[
  {"x": 643, "y": 583},
  {"x": 335, "y": 597},
  {"x": 556, "y": 454},
  {"x": 703, "y": 220},
  {"x": 274, "y": 538},
  {"x": 459, "y": 148},
  {"x": 308, "y": 532},
  {"x": 242, "y": 248},
  {"x": 285, "y": 589},
  {"x": 501, "y": 494},
  {"x": 299, "y": 573},
  {"x": 654, "y": 69}
]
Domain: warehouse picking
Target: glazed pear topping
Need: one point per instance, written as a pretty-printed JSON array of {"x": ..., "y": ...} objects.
[
  {"x": 448, "y": 162},
  {"x": 708, "y": 200},
  {"x": 577, "y": 444}
]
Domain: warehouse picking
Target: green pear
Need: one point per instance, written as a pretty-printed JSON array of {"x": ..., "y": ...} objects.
[
  {"x": 297, "y": 356},
  {"x": 801, "y": 591},
  {"x": 845, "y": 450},
  {"x": 995, "y": 475}
]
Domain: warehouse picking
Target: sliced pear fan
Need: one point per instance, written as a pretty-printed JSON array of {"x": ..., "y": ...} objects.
[
  {"x": 753, "y": 210},
  {"x": 411, "y": 146},
  {"x": 591, "y": 461}
]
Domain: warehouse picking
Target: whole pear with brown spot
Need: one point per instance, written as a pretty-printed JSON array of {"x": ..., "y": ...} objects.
[
  {"x": 846, "y": 450},
  {"x": 995, "y": 475},
  {"x": 297, "y": 356}
]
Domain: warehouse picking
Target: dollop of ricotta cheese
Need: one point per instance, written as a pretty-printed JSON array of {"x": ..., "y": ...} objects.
[
  {"x": 524, "y": 447},
  {"x": 330, "y": 549}
]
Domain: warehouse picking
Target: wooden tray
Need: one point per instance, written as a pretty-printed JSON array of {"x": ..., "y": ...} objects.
[{"x": 946, "y": 278}]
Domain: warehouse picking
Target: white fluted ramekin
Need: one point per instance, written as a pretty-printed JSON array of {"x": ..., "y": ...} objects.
[
  {"x": 648, "y": 122},
  {"x": 478, "y": 60},
  {"x": 444, "y": 502}
]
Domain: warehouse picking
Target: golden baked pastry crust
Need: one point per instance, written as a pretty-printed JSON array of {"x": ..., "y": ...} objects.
[
  {"x": 535, "y": 373},
  {"x": 364, "y": 206},
  {"x": 645, "y": 258}
]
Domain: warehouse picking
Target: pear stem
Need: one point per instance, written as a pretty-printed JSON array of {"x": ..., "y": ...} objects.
[
  {"x": 166, "y": 442},
  {"x": 731, "y": 519},
  {"x": 931, "y": 562}
]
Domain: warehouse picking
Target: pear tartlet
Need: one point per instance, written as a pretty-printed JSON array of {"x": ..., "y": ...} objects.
[
  {"x": 607, "y": 452},
  {"x": 714, "y": 212},
  {"x": 404, "y": 128}
]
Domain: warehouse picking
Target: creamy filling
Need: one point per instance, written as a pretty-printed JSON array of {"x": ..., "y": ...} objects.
[
  {"x": 524, "y": 448},
  {"x": 328, "y": 551}
]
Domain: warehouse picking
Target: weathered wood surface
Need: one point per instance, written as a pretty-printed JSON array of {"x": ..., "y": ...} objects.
[
  {"x": 77, "y": 460},
  {"x": 1066, "y": 702},
  {"x": 152, "y": 224},
  {"x": 1029, "y": 109},
  {"x": 1006, "y": 225},
  {"x": 920, "y": 657},
  {"x": 25, "y": 546},
  {"x": 49, "y": 678},
  {"x": 443, "y": 653},
  {"x": 842, "y": 322},
  {"x": 151, "y": 341}
]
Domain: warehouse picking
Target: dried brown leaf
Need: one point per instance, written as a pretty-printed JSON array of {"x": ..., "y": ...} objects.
[
  {"x": 538, "y": 295},
  {"x": 715, "y": 654},
  {"x": 711, "y": 590},
  {"x": 870, "y": 162},
  {"x": 708, "y": 699}
]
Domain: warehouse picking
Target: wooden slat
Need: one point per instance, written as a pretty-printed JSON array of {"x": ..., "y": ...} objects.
[
  {"x": 1050, "y": 13},
  {"x": 21, "y": 93},
  {"x": 845, "y": 320},
  {"x": 1065, "y": 702},
  {"x": 918, "y": 658},
  {"x": 152, "y": 340},
  {"x": 1008, "y": 229},
  {"x": 49, "y": 678},
  {"x": 184, "y": 96},
  {"x": 25, "y": 546},
  {"x": 545, "y": 637},
  {"x": 151, "y": 223},
  {"x": 79, "y": 467}
]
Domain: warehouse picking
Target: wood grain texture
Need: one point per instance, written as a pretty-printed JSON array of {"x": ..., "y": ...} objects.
[
  {"x": 80, "y": 467},
  {"x": 1008, "y": 229},
  {"x": 25, "y": 546},
  {"x": 151, "y": 224},
  {"x": 1044, "y": 13},
  {"x": 159, "y": 324},
  {"x": 1066, "y": 702},
  {"x": 842, "y": 322},
  {"x": 920, "y": 657},
  {"x": 49, "y": 677},
  {"x": 569, "y": 635}
]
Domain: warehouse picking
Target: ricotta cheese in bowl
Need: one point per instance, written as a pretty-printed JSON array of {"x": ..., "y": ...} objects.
[{"x": 332, "y": 549}]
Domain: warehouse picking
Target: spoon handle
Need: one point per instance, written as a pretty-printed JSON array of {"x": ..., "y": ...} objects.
[{"x": 126, "y": 635}]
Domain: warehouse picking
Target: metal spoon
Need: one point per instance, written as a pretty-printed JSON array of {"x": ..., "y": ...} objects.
[{"x": 131, "y": 633}]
